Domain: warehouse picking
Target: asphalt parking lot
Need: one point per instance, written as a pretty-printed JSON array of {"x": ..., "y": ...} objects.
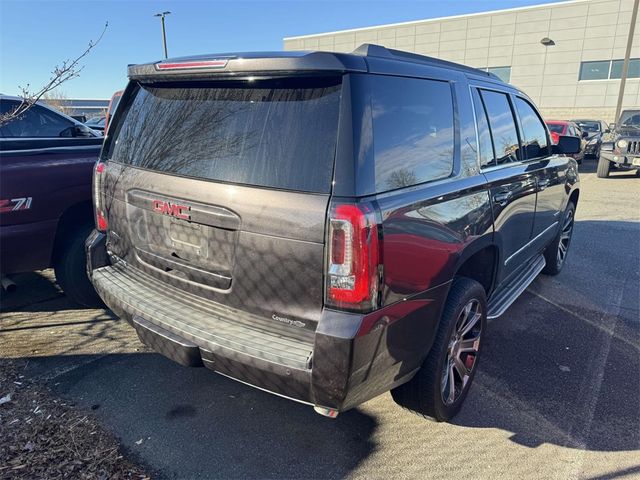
[{"x": 557, "y": 394}]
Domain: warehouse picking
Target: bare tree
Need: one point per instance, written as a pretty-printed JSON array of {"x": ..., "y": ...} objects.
[
  {"x": 57, "y": 99},
  {"x": 61, "y": 73}
]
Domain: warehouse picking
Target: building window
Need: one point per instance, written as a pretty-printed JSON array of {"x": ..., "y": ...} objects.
[
  {"x": 633, "y": 72},
  {"x": 608, "y": 69},
  {"x": 503, "y": 73}
]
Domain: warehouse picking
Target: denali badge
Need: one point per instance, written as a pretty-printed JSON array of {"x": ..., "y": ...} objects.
[
  {"x": 293, "y": 323},
  {"x": 173, "y": 209}
]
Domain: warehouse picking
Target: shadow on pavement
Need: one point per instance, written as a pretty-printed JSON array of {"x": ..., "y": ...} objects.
[{"x": 213, "y": 426}]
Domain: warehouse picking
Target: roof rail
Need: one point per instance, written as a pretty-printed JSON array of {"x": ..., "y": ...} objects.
[{"x": 373, "y": 50}]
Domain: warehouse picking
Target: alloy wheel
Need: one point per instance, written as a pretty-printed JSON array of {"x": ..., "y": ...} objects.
[
  {"x": 565, "y": 237},
  {"x": 462, "y": 352}
]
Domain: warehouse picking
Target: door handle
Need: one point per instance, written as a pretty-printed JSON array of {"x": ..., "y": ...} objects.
[
  {"x": 502, "y": 198},
  {"x": 544, "y": 183}
]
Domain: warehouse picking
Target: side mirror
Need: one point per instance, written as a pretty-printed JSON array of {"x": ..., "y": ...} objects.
[
  {"x": 567, "y": 145},
  {"x": 76, "y": 130},
  {"x": 585, "y": 134},
  {"x": 82, "y": 131}
]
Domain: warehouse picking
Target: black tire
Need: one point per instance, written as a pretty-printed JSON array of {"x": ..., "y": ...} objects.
[
  {"x": 71, "y": 271},
  {"x": 604, "y": 166},
  {"x": 423, "y": 394},
  {"x": 553, "y": 255}
]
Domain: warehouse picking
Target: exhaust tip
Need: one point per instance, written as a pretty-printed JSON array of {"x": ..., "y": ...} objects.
[{"x": 326, "y": 412}]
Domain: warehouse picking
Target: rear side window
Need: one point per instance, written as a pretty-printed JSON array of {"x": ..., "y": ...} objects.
[
  {"x": 486, "y": 153},
  {"x": 273, "y": 133},
  {"x": 535, "y": 143},
  {"x": 503, "y": 126},
  {"x": 413, "y": 131}
]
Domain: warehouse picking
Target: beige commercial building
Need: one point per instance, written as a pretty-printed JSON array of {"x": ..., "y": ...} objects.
[{"x": 566, "y": 56}]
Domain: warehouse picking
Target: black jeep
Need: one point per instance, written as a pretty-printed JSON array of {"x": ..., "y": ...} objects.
[
  {"x": 326, "y": 226},
  {"x": 621, "y": 146}
]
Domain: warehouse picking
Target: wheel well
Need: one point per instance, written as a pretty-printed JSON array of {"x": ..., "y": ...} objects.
[
  {"x": 574, "y": 197},
  {"x": 481, "y": 267},
  {"x": 72, "y": 218}
]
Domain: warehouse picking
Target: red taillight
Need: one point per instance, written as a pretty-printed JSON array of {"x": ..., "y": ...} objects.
[
  {"x": 353, "y": 257},
  {"x": 555, "y": 138},
  {"x": 101, "y": 220}
]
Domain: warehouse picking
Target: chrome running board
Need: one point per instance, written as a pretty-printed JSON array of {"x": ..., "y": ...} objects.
[{"x": 503, "y": 298}]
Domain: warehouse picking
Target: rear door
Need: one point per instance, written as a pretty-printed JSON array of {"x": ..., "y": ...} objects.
[
  {"x": 551, "y": 172},
  {"x": 512, "y": 182},
  {"x": 220, "y": 189}
]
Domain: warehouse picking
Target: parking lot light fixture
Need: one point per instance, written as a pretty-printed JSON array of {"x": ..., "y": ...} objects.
[{"x": 164, "y": 34}]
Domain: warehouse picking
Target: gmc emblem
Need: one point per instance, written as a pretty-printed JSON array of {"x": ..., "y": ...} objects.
[{"x": 173, "y": 209}]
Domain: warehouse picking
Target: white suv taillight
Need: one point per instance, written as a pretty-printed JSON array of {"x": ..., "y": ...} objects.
[
  {"x": 101, "y": 220},
  {"x": 353, "y": 257}
]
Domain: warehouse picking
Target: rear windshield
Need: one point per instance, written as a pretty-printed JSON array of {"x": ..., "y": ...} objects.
[
  {"x": 556, "y": 127},
  {"x": 272, "y": 133}
]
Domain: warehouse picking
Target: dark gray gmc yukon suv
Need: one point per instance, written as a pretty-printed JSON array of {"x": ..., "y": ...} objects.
[{"x": 325, "y": 226}]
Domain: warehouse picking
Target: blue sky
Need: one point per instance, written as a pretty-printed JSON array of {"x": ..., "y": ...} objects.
[{"x": 37, "y": 35}]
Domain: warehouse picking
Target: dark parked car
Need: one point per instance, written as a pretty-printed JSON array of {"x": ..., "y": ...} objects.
[
  {"x": 96, "y": 123},
  {"x": 46, "y": 163},
  {"x": 327, "y": 226},
  {"x": 621, "y": 147},
  {"x": 570, "y": 129},
  {"x": 595, "y": 129}
]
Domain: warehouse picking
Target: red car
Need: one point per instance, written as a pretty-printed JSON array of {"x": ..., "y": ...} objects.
[{"x": 570, "y": 129}]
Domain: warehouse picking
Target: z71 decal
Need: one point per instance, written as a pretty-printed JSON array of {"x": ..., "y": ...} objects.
[{"x": 15, "y": 204}]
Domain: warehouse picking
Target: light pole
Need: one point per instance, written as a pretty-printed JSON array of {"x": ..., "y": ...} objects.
[
  {"x": 164, "y": 33},
  {"x": 625, "y": 63}
]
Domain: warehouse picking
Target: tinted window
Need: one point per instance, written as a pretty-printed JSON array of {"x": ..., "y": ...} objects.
[
  {"x": 277, "y": 133},
  {"x": 413, "y": 131},
  {"x": 594, "y": 70},
  {"x": 486, "y": 153},
  {"x": 630, "y": 119},
  {"x": 503, "y": 127},
  {"x": 534, "y": 133},
  {"x": 37, "y": 122}
]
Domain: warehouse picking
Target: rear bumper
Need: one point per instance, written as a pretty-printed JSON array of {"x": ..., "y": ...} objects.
[{"x": 349, "y": 358}]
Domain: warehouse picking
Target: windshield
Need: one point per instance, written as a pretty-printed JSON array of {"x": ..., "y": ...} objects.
[
  {"x": 630, "y": 119},
  {"x": 272, "y": 133},
  {"x": 557, "y": 127},
  {"x": 589, "y": 126}
]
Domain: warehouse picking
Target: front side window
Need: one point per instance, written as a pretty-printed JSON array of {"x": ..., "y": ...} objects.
[
  {"x": 535, "y": 143},
  {"x": 503, "y": 126},
  {"x": 413, "y": 131},
  {"x": 37, "y": 122}
]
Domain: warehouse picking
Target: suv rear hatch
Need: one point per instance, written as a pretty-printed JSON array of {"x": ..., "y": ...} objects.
[{"x": 218, "y": 190}]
